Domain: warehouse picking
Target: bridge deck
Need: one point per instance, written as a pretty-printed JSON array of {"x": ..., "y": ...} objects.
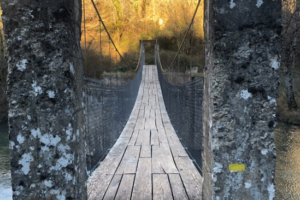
[{"x": 148, "y": 160}]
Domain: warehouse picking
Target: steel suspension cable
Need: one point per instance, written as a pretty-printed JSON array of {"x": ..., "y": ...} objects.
[
  {"x": 100, "y": 19},
  {"x": 184, "y": 38}
]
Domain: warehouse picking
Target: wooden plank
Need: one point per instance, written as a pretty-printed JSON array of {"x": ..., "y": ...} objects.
[
  {"x": 178, "y": 150},
  {"x": 154, "y": 137},
  {"x": 133, "y": 137},
  {"x": 145, "y": 100},
  {"x": 145, "y": 152},
  {"x": 152, "y": 113},
  {"x": 113, "y": 187},
  {"x": 147, "y": 112},
  {"x": 127, "y": 132},
  {"x": 130, "y": 125},
  {"x": 141, "y": 113},
  {"x": 191, "y": 178},
  {"x": 129, "y": 161},
  {"x": 143, "y": 138},
  {"x": 140, "y": 124},
  {"x": 178, "y": 190},
  {"x": 124, "y": 191},
  {"x": 132, "y": 120},
  {"x": 162, "y": 160},
  {"x": 95, "y": 190},
  {"x": 152, "y": 100},
  {"x": 109, "y": 165},
  {"x": 113, "y": 159},
  {"x": 162, "y": 136},
  {"x": 150, "y": 123},
  {"x": 119, "y": 147},
  {"x": 157, "y": 113},
  {"x": 161, "y": 187},
  {"x": 159, "y": 123},
  {"x": 142, "y": 189}
]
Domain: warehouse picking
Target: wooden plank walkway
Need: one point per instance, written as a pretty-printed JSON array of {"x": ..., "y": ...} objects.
[{"x": 148, "y": 160}]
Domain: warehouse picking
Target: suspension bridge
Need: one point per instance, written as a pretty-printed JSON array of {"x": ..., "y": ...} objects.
[
  {"x": 144, "y": 157},
  {"x": 73, "y": 137},
  {"x": 148, "y": 160}
]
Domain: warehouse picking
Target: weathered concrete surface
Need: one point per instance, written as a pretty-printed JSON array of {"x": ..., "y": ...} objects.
[
  {"x": 241, "y": 80},
  {"x": 45, "y": 94}
]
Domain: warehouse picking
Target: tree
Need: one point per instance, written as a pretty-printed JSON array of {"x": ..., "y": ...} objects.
[{"x": 290, "y": 34}]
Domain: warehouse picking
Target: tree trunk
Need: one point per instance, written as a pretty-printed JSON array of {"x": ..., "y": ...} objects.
[
  {"x": 287, "y": 63},
  {"x": 288, "y": 81},
  {"x": 45, "y": 79}
]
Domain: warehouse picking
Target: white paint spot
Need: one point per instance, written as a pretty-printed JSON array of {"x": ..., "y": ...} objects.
[
  {"x": 264, "y": 151},
  {"x": 20, "y": 139},
  {"x": 259, "y": 2},
  {"x": 11, "y": 144},
  {"x": 271, "y": 191},
  {"x": 63, "y": 148},
  {"x": 22, "y": 65},
  {"x": 68, "y": 177},
  {"x": 215, "y": 178},
  {"x": 63, "y": 162},
  {"x": 218, "y": 168},
  {"x": 45, "y": 148},
  {"x": 28, "y": 117},
  {"x": 272, "y": 100},
  {"x": 245, "y": 94},
  {"x": 31, "y": 148},
  {"x": 274, "y": 63},
  {"x": 36, "y": 133},
  {"x": 51, "y": 94},
  {"x": 25, "y": 162},
  {"x": 32, "y": 185},
  {"x": 248, "y": 184},
  {"x": 31, "y": 14},
  {"x": 232, "y": 4},
  {"x": 58, "y": 194},
  {"x": 48, "y": 183},
  {"x": 48, "y": 139},
  {"x": 69, "y": 132},
  {"x": 13, "y": 102},
  {"x": 37, "y": 89},
  {"x": 72, "y": 68}
]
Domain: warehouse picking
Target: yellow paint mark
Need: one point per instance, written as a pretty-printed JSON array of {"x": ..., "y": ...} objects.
[{"x": 237, "y": 167}]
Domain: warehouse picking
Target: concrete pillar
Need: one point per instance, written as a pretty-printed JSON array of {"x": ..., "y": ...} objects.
[
  {"x": 240, "y": 90},
  {"x": 45, "y": 80}
]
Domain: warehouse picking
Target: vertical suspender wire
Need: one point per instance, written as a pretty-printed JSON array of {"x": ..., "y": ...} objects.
[
  {"x": 109, "y": 61},
  {"x": 190, "y": 48},
  {"x": 101, "y": 68},
  {"x": 178, "y": 64},
  {"x": 84, "y": 26}
]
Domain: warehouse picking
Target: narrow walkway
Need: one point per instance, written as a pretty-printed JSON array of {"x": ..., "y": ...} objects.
[{"x": 148, "y": 160}]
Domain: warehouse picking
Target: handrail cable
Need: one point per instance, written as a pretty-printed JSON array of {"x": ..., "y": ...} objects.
[
  {"x": 184, "y": 38},
  {"x": 138, "y": 64}
]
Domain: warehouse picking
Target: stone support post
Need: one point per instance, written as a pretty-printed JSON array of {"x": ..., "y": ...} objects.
[
  {"x": 240, "y": 91},
  {"x": 45, "y": 81}
]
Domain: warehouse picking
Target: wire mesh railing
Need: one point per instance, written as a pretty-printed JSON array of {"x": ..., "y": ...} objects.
[
  {"x": 184, "y": 106},
  {"x": 108, "y": 108}
]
